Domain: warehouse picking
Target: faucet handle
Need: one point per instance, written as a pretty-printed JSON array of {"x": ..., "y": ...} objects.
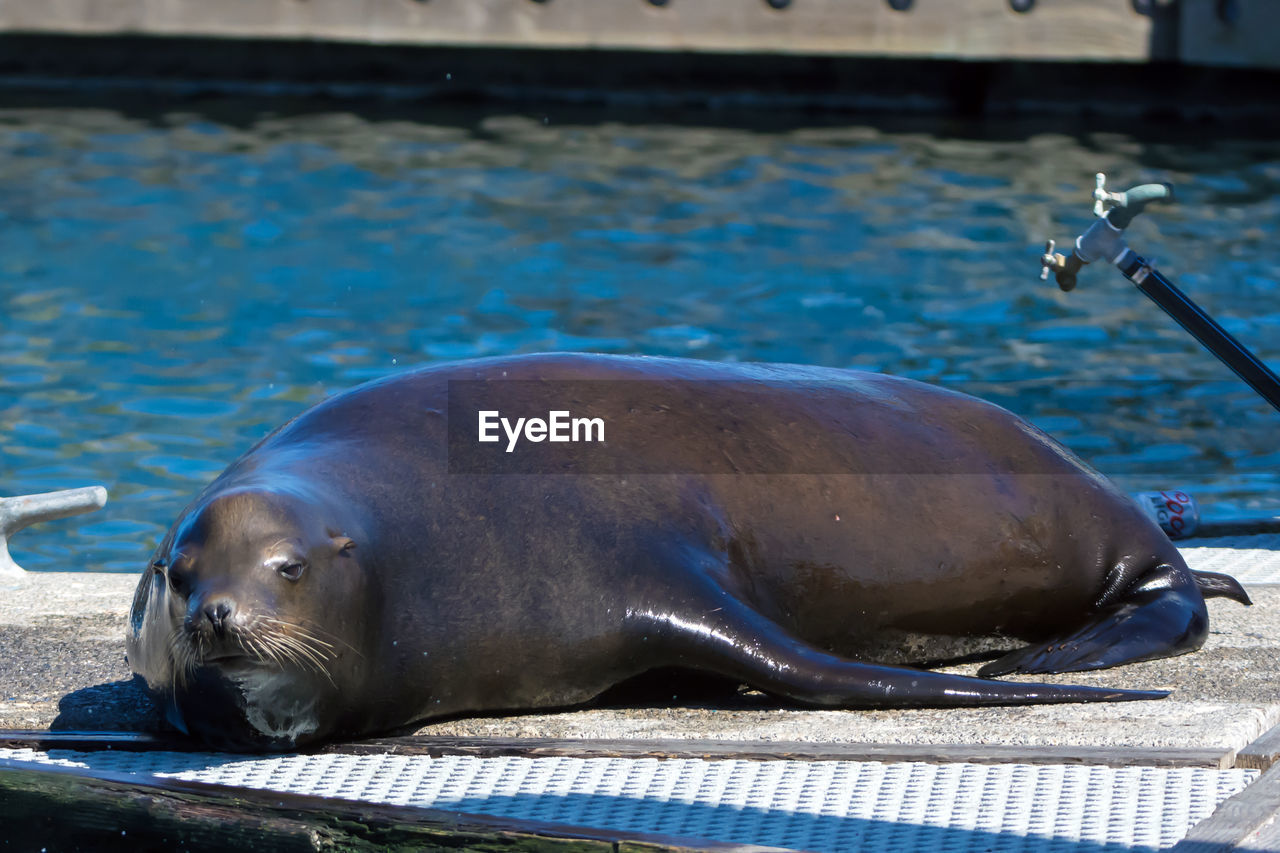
[
  {"x": 1102, "y": 198},
  {"x": 1047, "y": 260}
]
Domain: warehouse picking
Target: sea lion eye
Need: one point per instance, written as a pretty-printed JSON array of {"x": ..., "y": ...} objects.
[{"x": 291, "y": 571}]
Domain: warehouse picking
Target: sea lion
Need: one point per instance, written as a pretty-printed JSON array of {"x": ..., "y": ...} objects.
[{"x": 374, "y": 562}]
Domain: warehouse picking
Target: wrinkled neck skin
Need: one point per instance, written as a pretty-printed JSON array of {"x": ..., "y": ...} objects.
[{"x": 252, "y": 624}]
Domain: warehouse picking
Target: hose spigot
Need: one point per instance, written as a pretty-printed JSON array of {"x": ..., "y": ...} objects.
[{"x": 1104, "y": 238}]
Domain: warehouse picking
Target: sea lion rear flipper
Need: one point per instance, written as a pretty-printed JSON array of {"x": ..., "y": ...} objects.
[
  {"x": 1214, "y": 585},
  {"x": 1161, "y": 615},
  {"x": 739, "y": 642}
]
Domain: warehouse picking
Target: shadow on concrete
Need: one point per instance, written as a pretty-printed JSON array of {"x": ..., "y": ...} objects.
[{"x": 123, "y": 705}]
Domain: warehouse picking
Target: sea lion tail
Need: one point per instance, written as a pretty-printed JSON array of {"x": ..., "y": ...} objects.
[{"x": 1214, "y": 585}]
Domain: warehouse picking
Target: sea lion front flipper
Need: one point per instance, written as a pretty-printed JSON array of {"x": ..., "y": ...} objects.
[{"x": 1160, "y": 615}]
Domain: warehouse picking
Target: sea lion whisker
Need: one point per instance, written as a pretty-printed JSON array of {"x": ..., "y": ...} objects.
[
  {"x": 294, "y": 635},
  {"x": 297, "y": 649},
  {"x": 301, "y": 634},
  {"x": 280, "y": 656},
  {"x": 180, "y": 655},
  {"x": 260, "y": 650},
  {"x": 310, "y": 629},
  {"x": 314, "y": 633},
  {"x": 283, "y": 654},
  {"x": 305, "y": 651},
  {"x": 277, "y": 648},
  {"x": 286, "y": 655},
  {"x": 302, "y": 655}
]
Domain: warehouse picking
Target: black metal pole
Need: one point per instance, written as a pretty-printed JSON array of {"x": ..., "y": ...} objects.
[{"x": 1205, "y": 329}]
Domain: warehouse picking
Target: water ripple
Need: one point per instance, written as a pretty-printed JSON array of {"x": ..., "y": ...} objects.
[{"x": 174, "y": 286}]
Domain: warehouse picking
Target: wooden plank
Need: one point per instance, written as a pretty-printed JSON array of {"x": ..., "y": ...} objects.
[
  {"x": 795, "y": 751},
  {"x": 92, "y": 741},
  {"x": 1263, "y": 752},
  {"x": 1238, "y": 818},
  {"x": 968, "y": 29},
  {"x": 69, "y": 807},
  {"x": 710, "y": 749}
]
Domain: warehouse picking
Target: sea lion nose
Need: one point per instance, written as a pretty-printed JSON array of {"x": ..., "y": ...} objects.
[{"x": 218, "y": 612}]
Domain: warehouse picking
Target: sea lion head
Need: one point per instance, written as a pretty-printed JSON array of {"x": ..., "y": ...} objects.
[{"x": 248, "y": 622}]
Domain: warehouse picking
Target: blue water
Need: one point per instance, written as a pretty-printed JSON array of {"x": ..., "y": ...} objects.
[{"x": 175, "y": 283}]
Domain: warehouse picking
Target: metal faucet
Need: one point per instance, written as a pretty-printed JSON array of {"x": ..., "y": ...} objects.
[{"x": 1105, "y": 240}]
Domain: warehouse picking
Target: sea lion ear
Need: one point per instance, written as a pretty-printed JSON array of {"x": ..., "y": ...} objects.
[{"x": 343, "y": 544}]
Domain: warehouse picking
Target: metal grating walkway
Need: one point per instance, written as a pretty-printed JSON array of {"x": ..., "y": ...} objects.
[
  {"x": 1249, "y": 559},
  {"x": 819, "y": 805}
]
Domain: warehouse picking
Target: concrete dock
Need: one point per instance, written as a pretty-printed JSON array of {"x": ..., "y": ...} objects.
[
  {"x": 62, "y": 669},
  {"x": 62, "y": 647}
]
